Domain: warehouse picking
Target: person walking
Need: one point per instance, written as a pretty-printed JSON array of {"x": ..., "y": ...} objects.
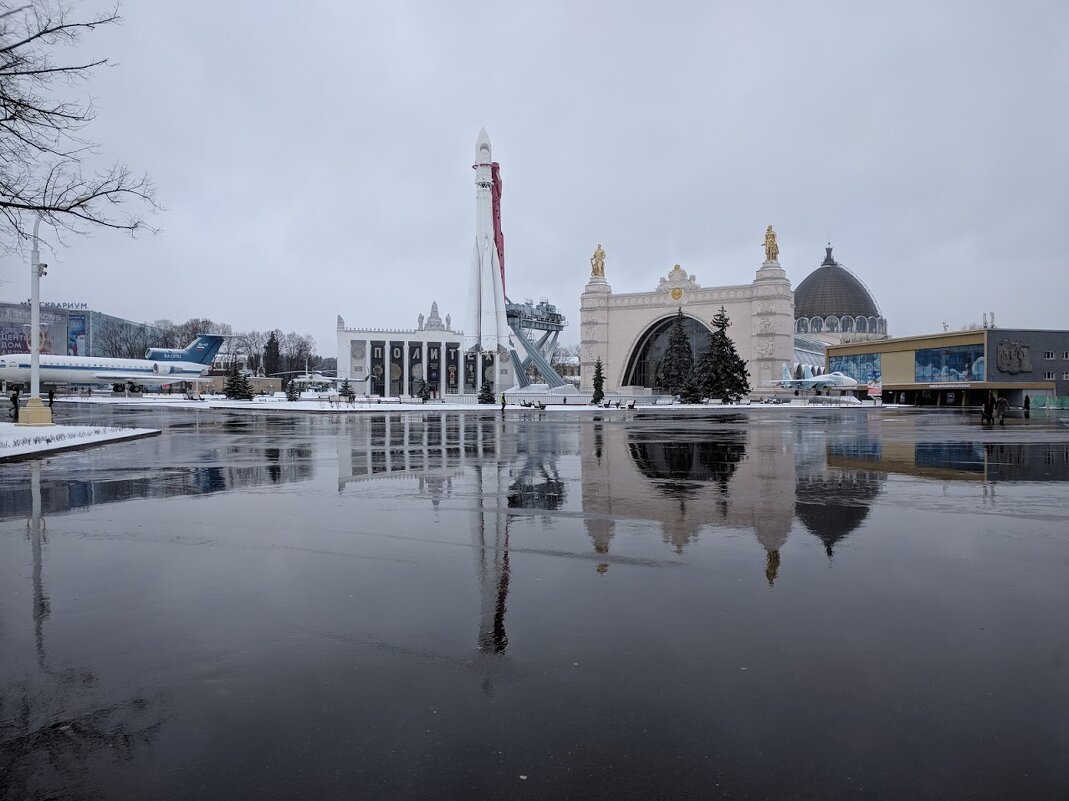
[
  {"x": 502, "y": 403},
  {"x": 1003, "y": 406},
  {"x": 51, "y": 397},
  {"x": 1027, "y": 406},
  {"x": 15, "y": 405},
  {"x": 987, "y": 415}
]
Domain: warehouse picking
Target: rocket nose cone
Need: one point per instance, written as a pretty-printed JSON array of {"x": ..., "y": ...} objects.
[{"x": 482, "y": 147}]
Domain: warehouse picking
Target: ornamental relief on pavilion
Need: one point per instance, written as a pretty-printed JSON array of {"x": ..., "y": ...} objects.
[
  {"x": 649, "y": 301},
  {"x": 1013, "y": 357}
]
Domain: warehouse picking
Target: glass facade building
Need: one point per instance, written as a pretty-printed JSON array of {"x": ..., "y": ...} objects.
[{"x": 644, "y": 369}]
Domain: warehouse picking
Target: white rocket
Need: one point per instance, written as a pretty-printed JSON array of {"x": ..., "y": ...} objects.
[{"x": 486, "y": 328}]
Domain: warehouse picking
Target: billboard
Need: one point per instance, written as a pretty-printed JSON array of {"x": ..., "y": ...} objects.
[
  {"x": 15, "y": 330},
  {"x": 77, "y": 334}
]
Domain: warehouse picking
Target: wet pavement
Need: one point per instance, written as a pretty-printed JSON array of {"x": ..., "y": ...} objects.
[{"x": 463, "y": 606}]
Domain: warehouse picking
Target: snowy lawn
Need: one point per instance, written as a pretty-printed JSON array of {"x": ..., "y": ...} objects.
[{"x": 16, "y": 441}]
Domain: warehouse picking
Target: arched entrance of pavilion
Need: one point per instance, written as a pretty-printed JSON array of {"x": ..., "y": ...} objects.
[{"x": 644, "y": 361}]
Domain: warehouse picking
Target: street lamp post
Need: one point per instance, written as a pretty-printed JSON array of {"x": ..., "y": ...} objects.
[{"x": 35, "y": 413}]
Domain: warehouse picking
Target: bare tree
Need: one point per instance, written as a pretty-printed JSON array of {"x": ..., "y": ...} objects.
[
  {"x": 42, "y": 151},
  {"x": 186, "y": 332},
  {"x": 252, "y": 344},
  {"x": 119, "y": 339},
  {"x": 297, "y": 351},
  {"x": 167, "y": 334}
]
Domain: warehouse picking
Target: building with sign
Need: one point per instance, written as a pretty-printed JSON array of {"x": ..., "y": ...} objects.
[
  {"x": 72, "y": 329},
  {"x": 961, "y": 368},
  {"x": 396, "y": 363}
]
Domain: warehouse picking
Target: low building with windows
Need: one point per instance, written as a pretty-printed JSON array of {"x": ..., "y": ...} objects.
[
  {"x": 960, "y": 368},
  {"x": 398, "y": 363}
]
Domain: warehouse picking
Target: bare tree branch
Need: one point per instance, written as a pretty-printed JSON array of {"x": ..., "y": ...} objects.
[{"x": 42, "y": 157}]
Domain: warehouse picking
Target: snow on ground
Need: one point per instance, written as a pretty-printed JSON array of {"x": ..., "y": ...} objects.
[{"x": 18, "y": 441}]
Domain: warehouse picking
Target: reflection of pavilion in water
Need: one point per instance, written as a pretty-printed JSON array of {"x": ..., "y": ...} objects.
[
  {"x": 274, "y": 465},
  {"x": 501, "y": 469},
  {"x": 732, "y": 475}
]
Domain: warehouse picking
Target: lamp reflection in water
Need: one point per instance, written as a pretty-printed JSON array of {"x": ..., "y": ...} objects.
[{"x": 37, "y": 531}]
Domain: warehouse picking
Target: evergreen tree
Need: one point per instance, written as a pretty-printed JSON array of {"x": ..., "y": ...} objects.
[
  {"x": 486, "y": 394},
  {"x": 692, "y": 391},
  {"x": 424, "y": 392},
  {"x": 292, "y": 393},
  {"x": 721, "y": 371},
  {"x": 272, "y": 358},
  {"x": 599, "y": 383},
  {"x": 237, "y": 385},
  {"x": 346, "y": 390},
  {"x": 678, "y": 362}
]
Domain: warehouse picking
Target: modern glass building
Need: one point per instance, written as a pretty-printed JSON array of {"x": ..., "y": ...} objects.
[{"x": 961, "y": 368}]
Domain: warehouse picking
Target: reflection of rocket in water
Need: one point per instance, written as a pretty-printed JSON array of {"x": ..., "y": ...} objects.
[{"x": 490, "y": 541}]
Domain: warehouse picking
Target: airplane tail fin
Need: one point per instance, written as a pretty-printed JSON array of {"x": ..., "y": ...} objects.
[
  {"x": 786, "y": 374},
  {"x": 807, "y": 371},
  {"x": 200, "y": 351}
]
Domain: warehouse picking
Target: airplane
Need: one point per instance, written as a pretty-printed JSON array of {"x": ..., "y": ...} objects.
[
  {"x": 160, "y": 366},
  {"x": 834, "y": 380}
]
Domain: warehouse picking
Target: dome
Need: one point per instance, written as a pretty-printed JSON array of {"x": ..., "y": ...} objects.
[{"x": 833, "y": 291}]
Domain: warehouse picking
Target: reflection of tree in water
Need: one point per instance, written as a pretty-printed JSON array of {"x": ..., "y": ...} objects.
[
  {"x": 831, "y": 505},
  {"x": 682, "y": 469},
  {"x": 46, "y": 751}
]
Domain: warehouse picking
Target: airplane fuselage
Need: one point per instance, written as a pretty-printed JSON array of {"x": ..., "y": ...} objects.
[{"x": 15, "y": 367}]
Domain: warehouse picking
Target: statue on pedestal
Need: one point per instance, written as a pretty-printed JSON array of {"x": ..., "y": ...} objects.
[
  {"x": 771, "y": 248},
  {"x": 597, "y": 263}
]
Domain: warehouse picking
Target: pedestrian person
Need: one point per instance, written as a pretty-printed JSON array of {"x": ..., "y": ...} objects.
[
  {"x": 15, "y": 405},
  {"x": 1003, "y": 406},
  {"x": 1027, "y": 406},
  {"x": 988, "y": 413},
  {"x": 502, "y": 402},
  {"x": 51, "y": 397}
]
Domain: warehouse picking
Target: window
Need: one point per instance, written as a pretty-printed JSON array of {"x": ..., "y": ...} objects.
[
  {"x": 1065, "y": 376},
  {"x": 863, "y": 368},
  {"x": 1065, "y": 354},
  {"x": 1048, "y": 354},
  {"x": 956, "y": 363},
  {"x": 1049, "y": 375}
]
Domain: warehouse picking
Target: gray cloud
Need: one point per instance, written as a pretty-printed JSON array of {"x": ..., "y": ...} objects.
[{"x": 315, "y": 159}]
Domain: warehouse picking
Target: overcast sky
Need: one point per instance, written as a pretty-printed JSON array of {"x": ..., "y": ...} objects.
[{"x": 315, "y": 158}]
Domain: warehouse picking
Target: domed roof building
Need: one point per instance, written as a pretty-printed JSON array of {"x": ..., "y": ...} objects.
[{"x": 834, "y": 306}]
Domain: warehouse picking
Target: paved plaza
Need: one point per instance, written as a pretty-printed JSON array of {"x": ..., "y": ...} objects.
[{"x": 470, "y": 604}]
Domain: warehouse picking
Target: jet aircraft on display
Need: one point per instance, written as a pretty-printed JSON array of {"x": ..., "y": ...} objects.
[
  {"x": 160, "y": 366},
  {"x": 808, "y": 381}
]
